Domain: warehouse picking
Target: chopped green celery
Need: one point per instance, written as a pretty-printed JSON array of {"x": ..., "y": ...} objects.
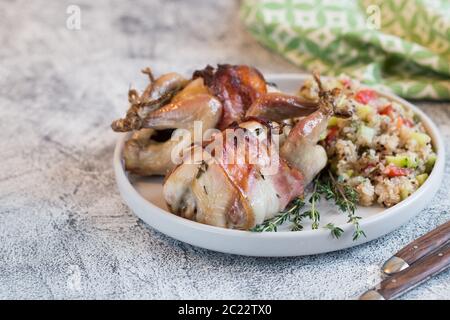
[
  {"x": 421, "y": 178},
  {"x": 430, "y": 163},
  {"x": 404, "y": 193},
  {"x": 421, "y": 138},
  {"x": 363, "y": 111},
  {"x": 333, "y": 121},
  {"x": 346, "y": 175},
  {"x": 402, "y": 161},
  {"x": 366, "y": 133},
  {"x": 336, "y": 122}
]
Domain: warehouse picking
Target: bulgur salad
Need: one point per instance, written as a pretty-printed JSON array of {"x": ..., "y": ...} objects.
[{"x": 382, "y": 151}]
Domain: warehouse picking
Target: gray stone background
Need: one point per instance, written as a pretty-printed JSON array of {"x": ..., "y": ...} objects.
[{"x": 64, "y": 231}]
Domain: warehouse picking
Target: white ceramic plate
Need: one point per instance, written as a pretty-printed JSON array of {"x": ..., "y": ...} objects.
[{"x": 144, "y": 196}]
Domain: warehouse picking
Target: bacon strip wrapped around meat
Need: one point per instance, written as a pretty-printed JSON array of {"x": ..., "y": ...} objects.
[
  {"x": 243, "y": 180},
  {"x": 237, "y": 87}
]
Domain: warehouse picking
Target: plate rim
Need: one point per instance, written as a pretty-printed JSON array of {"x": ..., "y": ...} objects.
[{"x": 437, "y": 140}]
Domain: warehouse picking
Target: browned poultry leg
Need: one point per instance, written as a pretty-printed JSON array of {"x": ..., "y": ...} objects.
[
  {"x": 157, "y": 94},
  {"x": 145, "y": 155}
]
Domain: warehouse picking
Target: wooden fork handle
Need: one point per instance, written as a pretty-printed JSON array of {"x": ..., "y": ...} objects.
[
  {"x": 418, "y": 249},
  {"x": 407, "y": 279}
]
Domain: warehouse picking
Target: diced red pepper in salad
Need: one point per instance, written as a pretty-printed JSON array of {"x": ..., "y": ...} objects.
[
  {"x": 394, "y": 171},
  {"x": 402, "y": 121},
  {"x": 365, "y": 96},
  {"x": 332, "y": 134},
  {"x": 408, "y": 123},
  {"x": 387, "y": 110}
]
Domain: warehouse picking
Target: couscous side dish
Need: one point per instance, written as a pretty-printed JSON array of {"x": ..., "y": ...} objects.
[{"x": 383, "y": 151}]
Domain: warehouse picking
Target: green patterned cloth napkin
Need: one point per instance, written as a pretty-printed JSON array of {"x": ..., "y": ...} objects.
[{"x": 400, "y": 44}]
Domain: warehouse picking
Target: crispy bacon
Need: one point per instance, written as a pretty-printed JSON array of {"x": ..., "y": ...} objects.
[
  {"x": 251, "y": 170},
  {"x": 236, "y": 86},
  {"x": 251, "y": 164}
]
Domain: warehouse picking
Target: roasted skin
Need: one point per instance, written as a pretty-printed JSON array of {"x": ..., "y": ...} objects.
[
  {"x": 149, "y": 151},
  {"x": 225, "y": 191},
  {"x": 237, "y": 87},
  {"x": 242, "y": 193},
  {"x": 158, "y": 93},
  {"x": 172, "y": 102}
]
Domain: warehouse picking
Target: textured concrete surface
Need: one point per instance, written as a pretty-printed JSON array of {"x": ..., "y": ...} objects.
[{"x": 64, "y": 231}]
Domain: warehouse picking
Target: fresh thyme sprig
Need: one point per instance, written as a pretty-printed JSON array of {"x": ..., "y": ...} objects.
[
  {"x": 296, "y": 223},
  {"x": 291, "y": 213},
  {"x": 296, "y": 219},
  {"x": 326, "y": 186},
  {"x": 336, "y": 232},
  {"x": 345, "y": 198},
  {"x": 313, "y": 213}
]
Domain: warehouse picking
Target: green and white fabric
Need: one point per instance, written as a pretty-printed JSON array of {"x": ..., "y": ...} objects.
[{"x": 400, "y": 44}]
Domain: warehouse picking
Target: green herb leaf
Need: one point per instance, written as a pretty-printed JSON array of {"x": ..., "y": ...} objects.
[
  {"x": 327, "y": 186},
  {"x": 291, "y": 213},
  {"x": 336, "y": 232}
]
